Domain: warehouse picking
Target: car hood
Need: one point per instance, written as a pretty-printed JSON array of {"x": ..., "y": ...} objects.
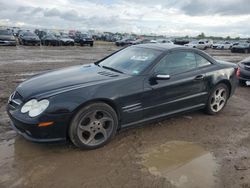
[
  {"x": 190, "y": 44},
  {"x": 240, "y": 46},
  {"x": 6, "y": 37},
  {"x": 49, "y": 38},
  {"x": 66, "y": 79},
  {"x": 66, "y": 39},
  {"x": 30, "y": 38}
]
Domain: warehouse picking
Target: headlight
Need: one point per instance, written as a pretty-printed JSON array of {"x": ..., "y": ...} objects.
[{"x": 35, "y": 107}]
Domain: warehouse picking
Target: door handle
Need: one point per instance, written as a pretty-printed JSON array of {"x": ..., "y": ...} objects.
[{"x": 199, "y": 77}]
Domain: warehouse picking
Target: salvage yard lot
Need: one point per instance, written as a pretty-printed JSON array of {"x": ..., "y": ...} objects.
[{"x": 225, "y": 138}]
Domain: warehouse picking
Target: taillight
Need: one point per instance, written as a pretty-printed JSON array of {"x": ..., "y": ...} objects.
[{"x": 238, "y": 73}]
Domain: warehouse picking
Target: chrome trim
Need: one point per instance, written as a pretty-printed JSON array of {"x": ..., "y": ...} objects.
[
  {"x": 130, "y": 106},
  {"x": 17, "y": 103},
  {"x": 10, "y": 97},
  {"x": 162, "y": 76},
  {"x": 136, "y": 108}
]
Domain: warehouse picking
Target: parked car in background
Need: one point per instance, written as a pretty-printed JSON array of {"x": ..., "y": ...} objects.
[
  {"x": 124, "y": 42},
  {"x": 72, "y": 33},
  {"x": 65, "y": 40},
  {"x": 50, "y": 40},
  {"x": 7, "y": 38},
  {"x": 241, "y": 48},
  {"x": 84, "y": 39},
  {"x": 20, "y": 32},
  {"x": 140, "y": 41},
  {"x": 244, "y": 71},
  {"x": 15, "y": 30},
  {"x": 180, "y": 41},
  {"x": 161, "y": 41},
  {"x": 197, "y": 44},
  {"x": 208, "y": 42},
  {"x": 40, "y": 33},
  {"x": 29, "y": 38},
  {"x": 222, "y": 45},
  {"x": 166, "y": 41},
  {"x": 88, "y": 104}
]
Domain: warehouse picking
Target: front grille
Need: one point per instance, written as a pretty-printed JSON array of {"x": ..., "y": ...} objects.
[
  {"x": 15, "y": 100},
  {"x": 16, "y": 95}
]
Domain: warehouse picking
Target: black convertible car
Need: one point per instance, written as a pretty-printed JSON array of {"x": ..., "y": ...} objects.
[{"x": 89, "y": 103}]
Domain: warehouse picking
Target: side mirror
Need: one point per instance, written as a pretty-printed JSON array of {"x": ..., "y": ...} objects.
[{"x": 162, "y": 77}]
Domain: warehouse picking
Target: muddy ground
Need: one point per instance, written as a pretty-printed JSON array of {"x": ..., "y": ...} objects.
[{"x": 192, "y": 150}]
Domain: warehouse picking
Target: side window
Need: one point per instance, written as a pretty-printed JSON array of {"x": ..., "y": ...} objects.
[
  {"x": 201, "y": 61},
  {"x": 176, "y": 63}
]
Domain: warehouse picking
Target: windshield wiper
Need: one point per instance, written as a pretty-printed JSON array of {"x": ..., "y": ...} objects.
[{"x": 112, "y": 69}]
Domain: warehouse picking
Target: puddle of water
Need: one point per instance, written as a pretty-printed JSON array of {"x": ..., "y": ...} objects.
[
  {"x": 184, "y": 164},
  {"x": 25, "y": 164}
]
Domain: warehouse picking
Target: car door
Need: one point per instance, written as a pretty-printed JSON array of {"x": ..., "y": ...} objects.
[{"x": 180, "y": 85}]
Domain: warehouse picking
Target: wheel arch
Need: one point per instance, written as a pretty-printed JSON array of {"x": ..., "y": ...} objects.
[
  {"x": 227, "y": 83},
  {"x": 109, "y": 102}
]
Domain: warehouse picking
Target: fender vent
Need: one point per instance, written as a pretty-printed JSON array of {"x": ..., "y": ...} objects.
[{"x": 109, "y": 74}]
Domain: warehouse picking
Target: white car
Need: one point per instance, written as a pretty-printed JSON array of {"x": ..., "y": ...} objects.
[
  {"x": 208, "y": 42},
  {"x": 223, "y": 45},
  {"x": 197, "y": 44}
]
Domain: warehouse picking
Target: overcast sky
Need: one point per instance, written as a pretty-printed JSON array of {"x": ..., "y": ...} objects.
[{"x": 167, "y": 17}]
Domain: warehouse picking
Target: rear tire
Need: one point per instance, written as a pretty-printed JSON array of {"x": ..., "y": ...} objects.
[
  {"x": 217, "y": 99},
  {"x": 93, "y": 126}
]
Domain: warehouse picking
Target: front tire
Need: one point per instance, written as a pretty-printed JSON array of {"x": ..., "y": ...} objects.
[
  {"x": 217, "y": 99},
  {"x": 93, "y": 126}
]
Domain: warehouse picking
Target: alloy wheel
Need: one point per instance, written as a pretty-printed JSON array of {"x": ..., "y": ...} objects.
[
  {"x": 95, "y": 127},
  {"x": 218, "y": 99}
]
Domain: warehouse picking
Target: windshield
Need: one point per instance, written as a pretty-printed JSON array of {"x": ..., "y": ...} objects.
[
  {"x": 65, "y": 36},
  {"x": 131, "y": 60},
  {"x": 29, "y": 34},
  {"x": 194, "y": 42},
  {"x": 49, "y": 35},
  {"x": 5, "y": 32},
  {"x": 85, "y": 36},
  {"x": 244, "y": 44}
]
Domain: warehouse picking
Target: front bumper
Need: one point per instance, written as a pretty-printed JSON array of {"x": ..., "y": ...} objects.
[
  {"x": 28, "y": 127},
  {"x": 7, "y": 43},
  {"x": 238, "y": 50},
  {"x": 32, "y": 42}
]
